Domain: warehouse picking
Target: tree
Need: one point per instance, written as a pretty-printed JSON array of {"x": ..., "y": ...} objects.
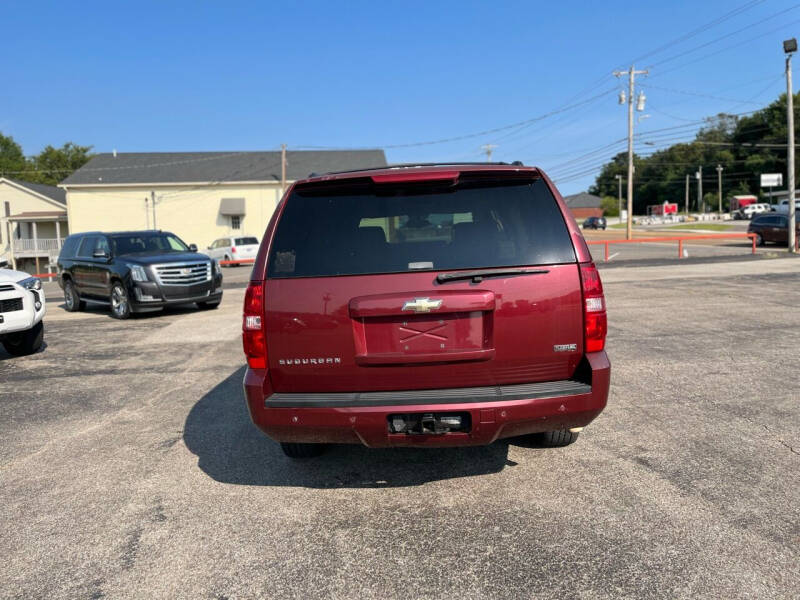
[
  {"x": 12, "y": 160},
  {"x": 745, "y": 146},
  {"x": 52, "y": 165}
]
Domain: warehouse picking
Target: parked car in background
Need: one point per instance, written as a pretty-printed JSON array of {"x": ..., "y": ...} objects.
[
  {"x": 234, "y": 248},
  {"x": 750, "y": 210},
  {"x": 424, "y": 306},
  {"x": 783, "y": 206},
  {"x": 595, "y": 223},
  {"x": 136, "y": 271},
  {"x": 22, "y": 308},
  {"x": 771, "y": 228}
]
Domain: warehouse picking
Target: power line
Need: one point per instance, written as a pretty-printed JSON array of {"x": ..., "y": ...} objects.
[
  {"x": 128, "y": 167},
  {"x": 699, "y": 95},
  {"x": 727, "y": 35},
  {"x": 749, "y": 40},
  {"x": 476, "y": 134},
  {"x": 701, "y": 29}
]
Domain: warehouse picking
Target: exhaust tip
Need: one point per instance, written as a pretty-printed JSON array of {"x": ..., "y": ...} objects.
[{"x": 575, "y": 429}]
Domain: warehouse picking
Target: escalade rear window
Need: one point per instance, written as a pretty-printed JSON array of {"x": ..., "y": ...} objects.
[{"x": 362, "y": 229}]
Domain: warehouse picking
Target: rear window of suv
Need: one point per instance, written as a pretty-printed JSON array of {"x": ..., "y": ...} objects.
[
  {"x": 246, "y": 241},
  {"x": 365, "y": 229}
]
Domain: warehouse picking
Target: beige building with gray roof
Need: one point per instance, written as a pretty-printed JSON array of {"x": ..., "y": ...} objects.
[{"x": 199, "y": 196}]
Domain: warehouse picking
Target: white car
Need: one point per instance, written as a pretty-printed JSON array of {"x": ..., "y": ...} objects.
[
  {"x": 754, "y": 209},
  {"x": 234, "y": 248},
  {"x": 22, "y": 308}
]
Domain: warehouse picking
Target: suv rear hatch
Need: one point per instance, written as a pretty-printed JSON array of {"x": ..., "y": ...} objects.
[
  {"x": 370, "y": 284},
  {"x": 244, "y": 248}
]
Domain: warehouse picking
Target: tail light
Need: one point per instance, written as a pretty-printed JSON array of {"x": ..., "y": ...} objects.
[
  {"x": 595, "y": 322},
  {"x": 233, "y": 249},
  {"x": 254, "y": 338}
]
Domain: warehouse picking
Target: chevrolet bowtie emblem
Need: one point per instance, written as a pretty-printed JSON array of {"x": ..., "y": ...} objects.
[{"x": 422, "y": 305}]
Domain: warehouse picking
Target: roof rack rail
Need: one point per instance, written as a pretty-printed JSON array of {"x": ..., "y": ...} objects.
[{"x": 516, "y": 163}]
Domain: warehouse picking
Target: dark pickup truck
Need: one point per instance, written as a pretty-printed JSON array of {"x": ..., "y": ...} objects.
[{"x": 136, "y": 271}]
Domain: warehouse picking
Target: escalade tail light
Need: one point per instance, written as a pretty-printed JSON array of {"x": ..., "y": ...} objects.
[
  {"x": 595, "y": 322},
  {"x": 254, "y": 338}
]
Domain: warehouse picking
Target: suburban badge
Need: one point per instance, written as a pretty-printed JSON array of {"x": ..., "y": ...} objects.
[
  {"x": 565, "y": 347},
  {"x": 422, "y": 305}
]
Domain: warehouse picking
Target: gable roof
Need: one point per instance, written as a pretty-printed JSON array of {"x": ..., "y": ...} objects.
[
  {"x": 48, "y": 191},
  {"x": 583, "y": 200},
  {"x": 201, "y": 167}
]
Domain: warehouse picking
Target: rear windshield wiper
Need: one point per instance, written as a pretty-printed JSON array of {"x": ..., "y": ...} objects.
[{"x": 477, "y": 276}]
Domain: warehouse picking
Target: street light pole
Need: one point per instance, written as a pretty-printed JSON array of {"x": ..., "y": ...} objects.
[
  {"x": 789, "y": 47},
  {"x": 686, "y": 200},
  {"x": 631, "y": 73},
  {"x": 719, "y": 187},
  {"x": 700, "y": 207}
]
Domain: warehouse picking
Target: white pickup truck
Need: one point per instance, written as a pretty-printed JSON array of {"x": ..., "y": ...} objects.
[
  {"x": 783, "y": 207},
  {"x": 22, "y": 308}
]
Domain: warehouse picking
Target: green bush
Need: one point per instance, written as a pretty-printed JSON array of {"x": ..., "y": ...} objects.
[{"x": 610, "y": 206}]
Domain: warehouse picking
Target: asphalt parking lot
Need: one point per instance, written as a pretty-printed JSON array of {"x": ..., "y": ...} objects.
[{"x": 129, "y": 467}]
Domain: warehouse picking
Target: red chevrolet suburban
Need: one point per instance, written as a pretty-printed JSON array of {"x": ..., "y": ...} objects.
[{"x": 424, "y": 305}]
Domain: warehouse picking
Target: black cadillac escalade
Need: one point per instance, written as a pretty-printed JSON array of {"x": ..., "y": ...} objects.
[{"x": 136, "y": 271}]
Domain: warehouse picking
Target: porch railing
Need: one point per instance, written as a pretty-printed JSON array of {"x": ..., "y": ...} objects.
[{"x": 41, "y": 246}]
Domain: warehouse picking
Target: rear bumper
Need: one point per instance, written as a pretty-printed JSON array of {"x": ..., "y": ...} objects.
[{"x": 358, "y": 419}]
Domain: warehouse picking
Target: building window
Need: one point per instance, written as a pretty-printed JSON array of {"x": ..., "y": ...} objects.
[{"x": 236, "y": 222}]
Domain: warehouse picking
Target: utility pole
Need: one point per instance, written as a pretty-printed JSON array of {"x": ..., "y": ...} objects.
[
  {"x": 488, "y": 149},
  {"x": 687, "y": 195},
  {"x": 153, "y": 202},
  {"x": 699, "y": 175},
  {"x": 619, "y": 196},
  {"x": 719, "y": 187},
  {"x": 283, "y": 169},
  {"x": 789, "y": 47},
  {"x": 631, "y": 73}
]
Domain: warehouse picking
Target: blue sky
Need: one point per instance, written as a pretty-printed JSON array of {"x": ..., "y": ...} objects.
[{"x": 161, "y": 76}]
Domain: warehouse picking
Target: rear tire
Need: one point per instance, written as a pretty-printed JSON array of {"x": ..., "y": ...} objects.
[
  {"x": 759, "y": 240},
  {"x": 227, "y": 258},
  {"x": 558, "y": 438},
  {"x": 26, "y": 342},
  {"x": 72, "y": 302},
  {"x": 302, "y": 450}
]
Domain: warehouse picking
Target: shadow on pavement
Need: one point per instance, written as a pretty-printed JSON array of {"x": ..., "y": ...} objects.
[
  {"x": 6, "y": 356},
  {"x": 94, "y": 308},
  {"x": 230, "y": 449}
]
